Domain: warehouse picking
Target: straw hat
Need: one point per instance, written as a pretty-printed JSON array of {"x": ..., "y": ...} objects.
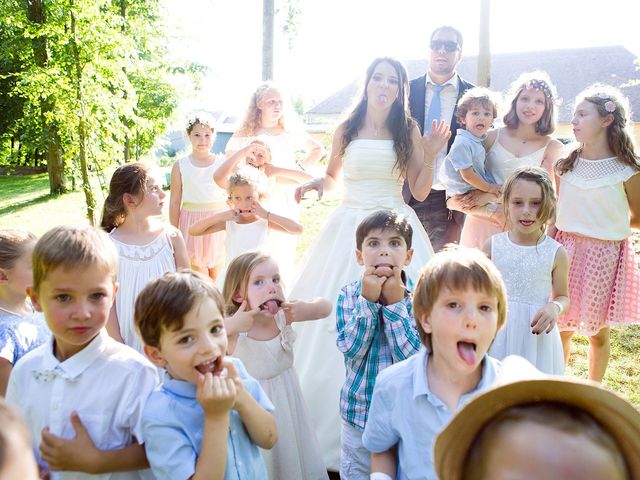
[{"x": 616, "y": 415}]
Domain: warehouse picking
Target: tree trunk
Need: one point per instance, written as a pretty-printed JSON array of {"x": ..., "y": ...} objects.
[
  {"x": 126, "y": 151},
  {"x": 267, "y": 39},
  {"x": 484, "y": 52},
  {"x": 82, "y": 133},
  {"x": 53, "y": 150}
]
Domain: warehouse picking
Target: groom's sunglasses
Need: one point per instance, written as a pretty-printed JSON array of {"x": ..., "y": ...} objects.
[{"x": 449, "y": 45}]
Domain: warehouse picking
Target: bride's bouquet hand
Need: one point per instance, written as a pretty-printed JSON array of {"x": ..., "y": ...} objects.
[{"x": 315, "y": 184}]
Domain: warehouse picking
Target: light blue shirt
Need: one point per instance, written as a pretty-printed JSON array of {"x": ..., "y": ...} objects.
[
  {"x": 19, "y": 335},
  {"x": 404, "y": 411},
  {"x": 466, "y": 151},
  {"x": 173, "y": 422}
]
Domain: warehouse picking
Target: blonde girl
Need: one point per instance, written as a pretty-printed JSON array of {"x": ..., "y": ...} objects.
[
  {"x": 535, "y": 271},
  {"x": 21, "y": 328},
  {"x": 259, "y": 329},
  {"x": 246, "y": 222},
  {"x": 598, "y": 204},
  {"x": 148, "y": 247},
  {"x": 195, "y": 195}
]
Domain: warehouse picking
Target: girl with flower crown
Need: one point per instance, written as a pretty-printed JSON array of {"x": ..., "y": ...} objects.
[
  {"x": 525, "y": 140},
  {"x": 598, "y": 204}
]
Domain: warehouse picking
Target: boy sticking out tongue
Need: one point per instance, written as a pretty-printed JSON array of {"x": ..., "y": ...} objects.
[{"x": 459, "y": 304}]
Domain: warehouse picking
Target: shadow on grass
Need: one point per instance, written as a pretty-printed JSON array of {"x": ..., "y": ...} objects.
[{"x": 27, "y": 203}]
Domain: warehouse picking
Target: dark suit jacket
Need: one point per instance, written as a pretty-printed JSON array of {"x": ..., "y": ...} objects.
[{"x": 417, "y": 92}]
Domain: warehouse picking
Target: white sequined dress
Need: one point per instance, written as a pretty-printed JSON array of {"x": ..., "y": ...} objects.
[{"x": 527, "y": 273}]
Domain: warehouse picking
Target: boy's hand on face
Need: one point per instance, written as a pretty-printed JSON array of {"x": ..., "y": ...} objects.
[
  {"x": 217, "y": 394},
  {"x": 75, "y": 454},
  {"x": 372, "y": 284},
  {"x": 393, "y": 289}
]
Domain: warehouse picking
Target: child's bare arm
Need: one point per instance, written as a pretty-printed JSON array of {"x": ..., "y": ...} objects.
[
  {"x": 472, "y": 178},
  {"x": 260, "y": 424},
  {"x": 80, "y": 454},
  {"x": 384, "y": 462},
  {"x": 547, "y": 317},
  {"x": 179, "y": 249},
  {"x": 290, "y": 174},
  {"x": 299, "y": 311},
  {"x": 214, "y": 223},
  {"x": 278, "y": 222},
  {"x": 216, "y": 395},
  {"x": 224, "y": 171},
  {"x": 175, "y": 198}
]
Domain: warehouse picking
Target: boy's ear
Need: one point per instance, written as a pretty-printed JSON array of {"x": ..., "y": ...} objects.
[
  {"x": 154, "y": 355},
  {"x": 409, "y": 257},
  {"x": 425, "y": 323},
  {"x": 33, "y": 295},
  {"x": 4, "y": 278},
  {"x": 359, "y": 257}
]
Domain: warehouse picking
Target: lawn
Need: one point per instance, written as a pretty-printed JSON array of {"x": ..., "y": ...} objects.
[{"x": 25, "y": 203}]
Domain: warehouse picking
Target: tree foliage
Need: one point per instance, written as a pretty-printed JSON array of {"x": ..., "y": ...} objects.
[{"x": 90, "y": 78}]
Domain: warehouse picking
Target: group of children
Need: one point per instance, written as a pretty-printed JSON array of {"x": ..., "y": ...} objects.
[{"x": 227, "y": 403}]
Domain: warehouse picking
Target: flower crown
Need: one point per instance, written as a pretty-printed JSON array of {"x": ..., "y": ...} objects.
[
  {"x": 609, "y": 104},
  {"x": 540, "y": 85}
]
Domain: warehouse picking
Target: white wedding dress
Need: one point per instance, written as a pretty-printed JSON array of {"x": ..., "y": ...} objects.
[{"x": 370, "y": 183}]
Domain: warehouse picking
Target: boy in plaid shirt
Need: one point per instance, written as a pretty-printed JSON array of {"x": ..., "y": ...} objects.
[{"x": 375, "y": 326}]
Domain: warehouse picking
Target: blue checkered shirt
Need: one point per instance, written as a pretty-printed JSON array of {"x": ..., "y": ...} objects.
[{"x": 371, "y": 337}]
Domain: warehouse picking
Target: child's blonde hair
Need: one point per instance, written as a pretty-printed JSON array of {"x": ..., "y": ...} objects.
[
  {"x": 540, "y": 177},
  {"x": 13, "y": 244},
  {"x": 540, "y": 81},
  {"x": 473, "y": 97},
  {"x": 457, "y": 268},
  {"x": 130, "y": 178},
  {"x": 608, "y": 100},
  {"x": 164, "y": 302},
  {"x": 237, "y": 278},
  {"x": 73, "y": 247}
]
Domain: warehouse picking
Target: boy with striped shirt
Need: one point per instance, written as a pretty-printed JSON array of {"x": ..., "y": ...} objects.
[{"x": 375, "y": 327}]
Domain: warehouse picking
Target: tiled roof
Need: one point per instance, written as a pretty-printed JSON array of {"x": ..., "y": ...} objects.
[{"x": 570, "y": 70}]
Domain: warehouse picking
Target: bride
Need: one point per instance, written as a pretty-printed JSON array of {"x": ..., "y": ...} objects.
[{"x": 378, "y": 146}]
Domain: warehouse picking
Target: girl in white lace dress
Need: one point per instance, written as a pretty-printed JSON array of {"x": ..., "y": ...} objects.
[
  {"x": 535, "y": 270},
  {"x": 148, "y": 246},
  {"x": 598, "y": 203},
  {"x": 260, "y": 335}
]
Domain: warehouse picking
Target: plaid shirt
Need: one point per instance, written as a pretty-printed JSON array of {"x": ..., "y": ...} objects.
[{"x": 371, "y": 337}]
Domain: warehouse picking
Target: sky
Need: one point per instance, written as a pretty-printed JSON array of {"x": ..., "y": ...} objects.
[{"x": 337, "y": 39}]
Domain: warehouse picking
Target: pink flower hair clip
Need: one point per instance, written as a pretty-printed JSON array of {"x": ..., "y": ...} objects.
[{"x": 609, "y": 106}]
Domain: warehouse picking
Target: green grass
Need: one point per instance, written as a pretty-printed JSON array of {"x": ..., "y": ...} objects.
[{"x": 25, "y": 203}]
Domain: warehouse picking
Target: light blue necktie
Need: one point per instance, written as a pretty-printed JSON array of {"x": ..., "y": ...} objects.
[{"x": 434, "y": 112}]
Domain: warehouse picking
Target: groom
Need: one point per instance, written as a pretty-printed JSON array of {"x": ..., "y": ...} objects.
[{"x": 435, "y": 95}]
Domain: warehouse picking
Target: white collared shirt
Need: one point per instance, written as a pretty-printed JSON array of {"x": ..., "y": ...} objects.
[
  {"x": 107, "y": 383},
  {"x": 448, "y": 100}
]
